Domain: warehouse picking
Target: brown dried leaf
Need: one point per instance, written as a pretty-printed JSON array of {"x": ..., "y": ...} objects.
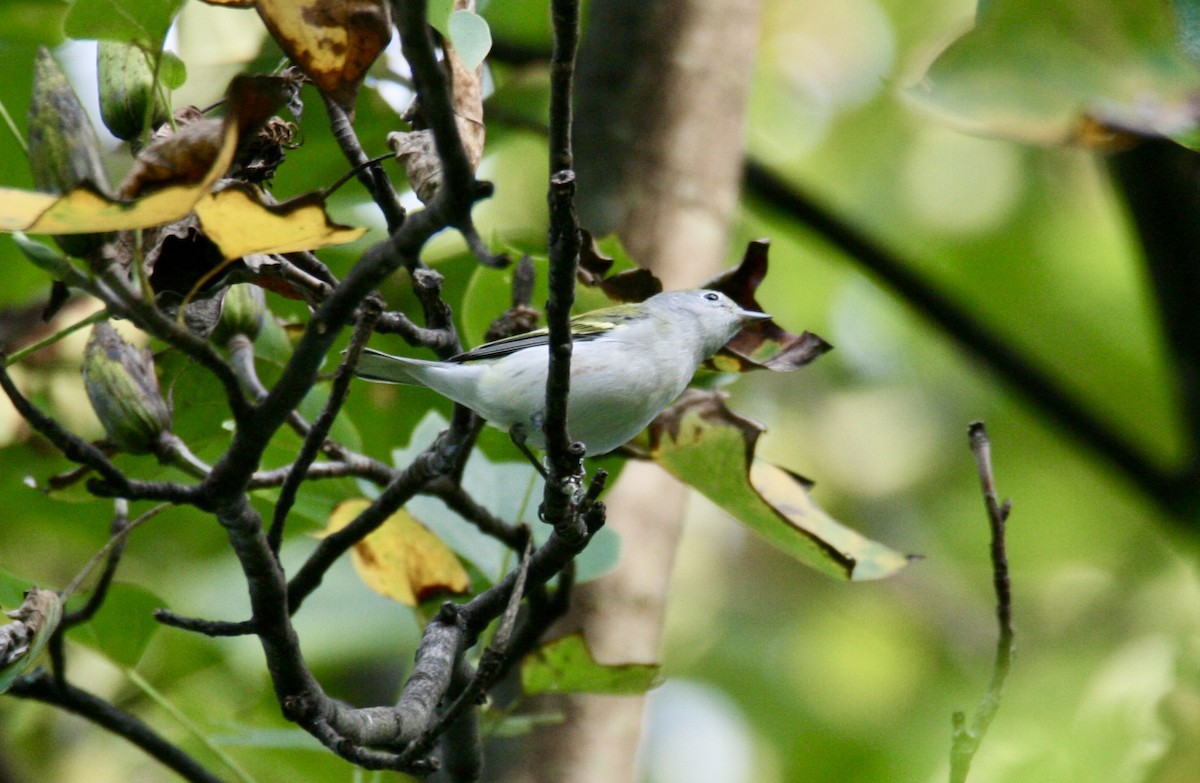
[
  {"x": 184, "y": 157},
  {"x": 416, "y": 149},
  {"x": 333, "y": 41},
  {"x": 762, "y": 344}
]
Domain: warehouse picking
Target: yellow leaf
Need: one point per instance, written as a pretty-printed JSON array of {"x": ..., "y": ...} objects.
[
  {"x": 85, "y": 211},
  {"x": 401, "y": 559},
  {"x": 239, "y": 223}
]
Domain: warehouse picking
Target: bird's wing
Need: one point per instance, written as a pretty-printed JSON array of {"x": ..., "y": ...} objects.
[{"x": 587, "y": 326}]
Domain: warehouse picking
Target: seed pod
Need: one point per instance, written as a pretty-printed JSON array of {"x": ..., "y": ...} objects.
[
  {"x": 123, "y": 389},
  {"x": 126, "y": 89},
  {"x": 242, "y": 312},
  {"x": 63, "y": 147}
]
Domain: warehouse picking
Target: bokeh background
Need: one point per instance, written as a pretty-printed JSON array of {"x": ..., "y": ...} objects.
[{"x": 774, "y": 673}]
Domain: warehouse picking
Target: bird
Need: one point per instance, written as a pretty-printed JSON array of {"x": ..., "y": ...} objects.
[{"x": 628, "y": 363}]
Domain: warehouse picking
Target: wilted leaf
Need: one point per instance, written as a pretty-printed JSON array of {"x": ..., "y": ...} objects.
[
  {"x": 416, "y": 149},
  {"x": 34, "y": 622},
  {"x": 401, "y": 559},
  {"x": 1053, "y": 71},
  {"x": 566, "y": 665},
  {"x": 239, "y": 223},
  {"x": 762, "y": 344},
  {"x": 333, "y": 41},
  {"x": 710, "y": 448}
]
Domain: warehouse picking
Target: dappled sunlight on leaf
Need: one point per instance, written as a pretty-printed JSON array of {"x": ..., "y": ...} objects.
[
  {"x": 1065, "y": 72},
  {"x": 402, "y": 560},
  {"x": 711, "y": 448}
]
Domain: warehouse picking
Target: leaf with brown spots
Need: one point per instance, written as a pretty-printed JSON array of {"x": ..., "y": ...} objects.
[
  {"x": 333, "y": 41},
  {"x": 401, "y": 559}
]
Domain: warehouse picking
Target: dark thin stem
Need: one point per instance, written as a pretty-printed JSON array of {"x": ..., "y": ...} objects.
[
  {"x": 562, "y": 76},
  {"x": 428, "y": 465},
  {"x": 565, "y": 459},
  {"x": 44, "y": 688},
  {"x": 205, "y": 627},
  {"x": 966, "y": 740},
  {"x": 460, "y": 502},
  {"x": 369, "y": 172},
  {"x": 1161, "y": 184},
  {"x": 1016, "y": 369},
  {"x": 117, "y": 530},
  {"x": 315, "y": 440}
]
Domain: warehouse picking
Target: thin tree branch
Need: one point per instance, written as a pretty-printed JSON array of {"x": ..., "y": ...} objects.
[
  {"x": 1161, "y": 184},
  {"x": 966, "y": 741},
  {"x": 564, "y": 458},
  {"x": 373, "y": 177},
  {"x": 315, "y": 441},
  {"x": 41, "y": 686}
]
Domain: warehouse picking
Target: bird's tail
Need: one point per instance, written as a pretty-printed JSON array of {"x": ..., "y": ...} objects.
[{"x": 385, "y": 368}]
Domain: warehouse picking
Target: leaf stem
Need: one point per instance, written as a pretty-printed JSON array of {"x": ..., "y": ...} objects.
[{"x": 94, "y": 318}]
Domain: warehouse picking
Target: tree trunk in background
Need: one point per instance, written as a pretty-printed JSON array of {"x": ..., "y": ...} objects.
[{"x": 661, "y": 106}]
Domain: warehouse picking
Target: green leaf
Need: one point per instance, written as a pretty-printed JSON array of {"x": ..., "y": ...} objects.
[
  {"x": 123, "y": 627},
  {"x": 566, "y": 665},
  {"x": 12, "y": 589},
  {"x": 710, "y": 448},
  {"x": 1058, "y": 71},
  {"x": 471, "y": 37},
  {"x": 133, "y": 21},
  {"x": 171, "y": 71},
  {"x": 438, "y": 14}
]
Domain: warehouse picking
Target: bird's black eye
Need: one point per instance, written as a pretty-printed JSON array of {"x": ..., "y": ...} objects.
[{"x": 712, "y": 297}]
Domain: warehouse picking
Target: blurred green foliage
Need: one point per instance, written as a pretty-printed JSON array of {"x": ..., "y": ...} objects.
[{"x": 821, "y": 680}]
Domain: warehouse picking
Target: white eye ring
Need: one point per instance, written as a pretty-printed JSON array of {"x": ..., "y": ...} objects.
[{"x": 712, "y": 297}]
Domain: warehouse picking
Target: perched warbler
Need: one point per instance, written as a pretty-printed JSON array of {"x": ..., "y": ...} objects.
[{"x": 629, "y": 362}]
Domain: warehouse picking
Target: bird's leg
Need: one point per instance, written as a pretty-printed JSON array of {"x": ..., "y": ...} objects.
[{"x": 517, "y": 433}]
